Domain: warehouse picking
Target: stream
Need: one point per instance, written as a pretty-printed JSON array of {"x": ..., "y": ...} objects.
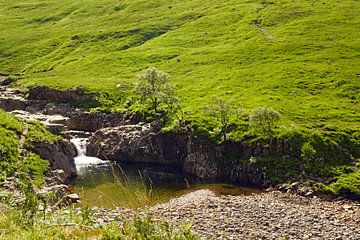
[
  {"x": 108, "y": 184},
  {"x": 112, "y": 184}
]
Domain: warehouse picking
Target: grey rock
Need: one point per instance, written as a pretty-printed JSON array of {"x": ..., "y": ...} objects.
[{"x": 60, "y": 155}]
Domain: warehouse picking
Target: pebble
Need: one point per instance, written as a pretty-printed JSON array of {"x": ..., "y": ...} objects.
[{"x": 270, "y": 215}]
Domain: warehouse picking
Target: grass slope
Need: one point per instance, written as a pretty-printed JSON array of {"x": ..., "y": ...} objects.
[
  {"x": 300, "y": 57},
  {"x": 14, "y": 158}
]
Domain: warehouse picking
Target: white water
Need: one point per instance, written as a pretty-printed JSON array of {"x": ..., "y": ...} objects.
[{"x": 82, "y": 161}]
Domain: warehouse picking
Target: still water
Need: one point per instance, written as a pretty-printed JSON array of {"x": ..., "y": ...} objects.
[{"x": 133, "y": 185}]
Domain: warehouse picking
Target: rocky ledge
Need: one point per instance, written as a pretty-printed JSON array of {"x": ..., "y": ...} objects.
[
  {"x": 271, "y": 215},
  {"x": 198, "y": 156}
]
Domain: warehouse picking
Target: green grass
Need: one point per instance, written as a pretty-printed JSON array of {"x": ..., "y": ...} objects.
[
  {"x": 300, "y": 57},
  {"x": 71, "y": 225},
  {"x": 11, "y": 161}
]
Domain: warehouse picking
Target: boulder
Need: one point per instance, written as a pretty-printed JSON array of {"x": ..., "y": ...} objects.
[
  {"x": 130, "y": 143},
  {"x": 60, "y": 155},
  {"x": 55, "y": 177},
  {"x": 73, "y": 197},
  {"x": 12, "y": 103}
]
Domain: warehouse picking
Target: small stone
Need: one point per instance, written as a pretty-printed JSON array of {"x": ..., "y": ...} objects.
[{"x": 73, "y": 197}]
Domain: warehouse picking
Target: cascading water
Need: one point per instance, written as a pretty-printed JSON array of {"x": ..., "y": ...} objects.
[{"x": 82, "y": 161}]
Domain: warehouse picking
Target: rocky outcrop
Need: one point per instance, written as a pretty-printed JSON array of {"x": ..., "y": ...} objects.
[
  {"x": 6, "y": 80},
  {"x": 11, "y": 99},
  {"x": 131, "y": 143},
  {"x": 11, "y": 104},
  {"x": 195, "y": 155},
  {"x": 92, "y": 121},
  {"x": 72, "y": 96},
  {"x": 59, "y": 154}
]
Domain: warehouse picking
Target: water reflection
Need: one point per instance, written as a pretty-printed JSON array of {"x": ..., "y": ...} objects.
[{"x": 136, "y": 185}]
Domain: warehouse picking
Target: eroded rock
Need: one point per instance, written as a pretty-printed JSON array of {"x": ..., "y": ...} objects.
[
  {"x": 72, "y": 96},
  {"x": 59, "y": 154},
  {"x": 92, "y": 121}
]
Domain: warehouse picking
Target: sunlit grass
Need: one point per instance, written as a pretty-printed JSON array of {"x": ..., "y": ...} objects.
[{"x": 300, "y": 57}]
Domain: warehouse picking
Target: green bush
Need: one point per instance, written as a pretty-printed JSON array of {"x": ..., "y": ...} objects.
[
  {"x": 143, "y": 227},
  {"x": 308, "y": 152},
  {"x": 347, "y": 185}
]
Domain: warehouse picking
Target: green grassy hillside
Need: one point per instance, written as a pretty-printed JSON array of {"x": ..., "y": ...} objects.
[
  {"x": 300, "y": 57},
  {"x": 16, "y": 136}
]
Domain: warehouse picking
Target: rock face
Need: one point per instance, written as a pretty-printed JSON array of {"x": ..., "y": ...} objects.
[
  {"x": 132, "y": 143},
  {"x": 78, "y": 95},
  {"x": 196, "y": 155},
  {"x": 5, "y": 80},
  {"x": 59, "y": 154},
  {"x": 11, "y": 99},
  {"x": 10, "y": 104},
  {"x": 92, "y": 121}
]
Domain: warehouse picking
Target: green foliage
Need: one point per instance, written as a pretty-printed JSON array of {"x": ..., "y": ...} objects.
[
  {"x": 38, "y": 133},
  {"x": 223, "y": 112},
  {"x": 308, "y": 152},
  {"x": 143, "y": 226},
  {"x": 288, "y": 54},
  {"x": 173, "y": 107},
  {"x": 10, "y": 127},
  {"x": 86, "y": 214},
  {"x": 34, "y": 167},
  {"x": 69, "y": 225},
  {"x": 347, "y": 185},
  {"x": 11, "y": 130},
  {"x": 28, "y": 209},
  {"x": 152, "y": 86},
  {"x": 264, "y": 119},
  {"x": 8, "y": 152}
]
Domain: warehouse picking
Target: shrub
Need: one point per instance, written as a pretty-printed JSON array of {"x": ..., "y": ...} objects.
[
  {"x": 308, "y": 152},
  {"x": 264, "y": 119}
]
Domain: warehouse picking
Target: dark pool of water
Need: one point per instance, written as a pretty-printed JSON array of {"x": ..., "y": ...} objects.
[{"x": 138, "y": 185}]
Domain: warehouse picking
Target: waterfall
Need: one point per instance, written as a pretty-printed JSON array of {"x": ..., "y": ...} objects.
[{"x": 82, "y": 161}]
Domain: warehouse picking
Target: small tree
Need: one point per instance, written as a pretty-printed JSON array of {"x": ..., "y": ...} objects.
[
  {"x": 223, "y": 111},
  {"x": 265, "y": 119},
  {"x": 151, "y": 86},
  {"x": 172, "y": 102}
]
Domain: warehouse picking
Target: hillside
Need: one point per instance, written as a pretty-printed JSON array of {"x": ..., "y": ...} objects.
[
  {"x": 267, "y": 95},
  {"x": 300, "y": 57}
]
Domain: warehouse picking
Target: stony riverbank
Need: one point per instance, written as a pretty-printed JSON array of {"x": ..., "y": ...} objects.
[{"x": 271, "y": 215}]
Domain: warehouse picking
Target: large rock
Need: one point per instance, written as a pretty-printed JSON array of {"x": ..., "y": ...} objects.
[
  {"x": 92, "y": 121},
  {"x": 59, "y": 154},
  {"x": 130, "y": 143},
  {"x": 6, "y": 80},
  {"x": 72, "y": 96},
  {"x": 12, "y": 99},
  {"x": 141, "y": 143},
  {"x": 9, "y": 104}
]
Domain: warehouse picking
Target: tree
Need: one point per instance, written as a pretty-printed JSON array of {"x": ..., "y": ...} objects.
[
  {"x": 265, "y": 119},
  {"x": 223, "y": 111},
  {"x": 172, "y": 102},
  {"x": 151, "y": 85}
]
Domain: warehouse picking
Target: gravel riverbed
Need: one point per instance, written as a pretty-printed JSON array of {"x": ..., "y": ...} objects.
[{"x": 270, "y": 215}]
